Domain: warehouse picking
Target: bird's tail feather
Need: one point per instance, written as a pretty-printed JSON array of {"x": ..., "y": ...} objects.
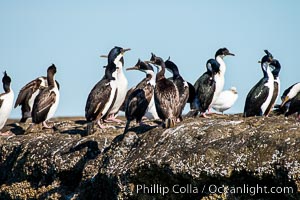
[
  {"x": 90, "y": 128},
  {"x": 192, "y": 113},
  {"x": 169, "y": 123},
  {"x": 23, "y": 119},
  {"x": 195, "y": 107},
  {"x": 126, "y": 127}
]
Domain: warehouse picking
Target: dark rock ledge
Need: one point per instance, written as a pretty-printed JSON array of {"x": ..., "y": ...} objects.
[{"x": 198, "y": 153}]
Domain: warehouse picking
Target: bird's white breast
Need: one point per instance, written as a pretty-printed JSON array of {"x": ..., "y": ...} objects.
[
  {"x": 270, "y": 85},
  {"x": 6, "y": 107},
  {"x": 113, "y": 86},
  {"x": 151, "y": 112},
  {"x": 219, "y": 79},
  {"x": 294, "y": 91},
  {"x": 122, "y": 85},
  {"x": 31, "y": 100}
]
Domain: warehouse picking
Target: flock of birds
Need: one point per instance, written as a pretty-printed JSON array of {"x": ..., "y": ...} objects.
[{"x": 154, "y": 97}]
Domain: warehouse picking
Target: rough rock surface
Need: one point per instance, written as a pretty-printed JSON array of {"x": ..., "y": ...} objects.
[{"x": 191, "y": 160}]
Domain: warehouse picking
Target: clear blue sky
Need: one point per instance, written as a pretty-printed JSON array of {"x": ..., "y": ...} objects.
[{"x": 72, "y": 35}]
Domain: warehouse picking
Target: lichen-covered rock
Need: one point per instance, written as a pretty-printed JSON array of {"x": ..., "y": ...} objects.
[{"x": 199, "y": 158}]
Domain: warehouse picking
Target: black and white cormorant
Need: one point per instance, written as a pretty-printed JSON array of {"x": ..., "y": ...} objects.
[
  {"x": 294, "y": 106},
  {"x": 290, "y": 101},
  {"x": 122, "y": 84},
  {"x": 220, "y": 76},
  {"x": 205, "y": 88},
  {"x": 151, "y": 112},
  {"x": 28, "y": 94},
  {"x": 6, "y": 102},
  {"x": 275, "y": 71},
  {"x": 166, "y": 95},
  {"x": 140, "y": 97},
  {"x": 181, "y": 84},
  {"x": 259, "y": 97},
  {"x": 104, "y": 94},
  {"x": 46, "y": 102},
  {"x": 290, "y": 93}
]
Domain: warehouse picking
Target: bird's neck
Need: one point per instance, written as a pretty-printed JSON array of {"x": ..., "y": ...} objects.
[
  {"x": 161, "y": 74},
  {"x": 267, "y": 71},
  {"x": 176, "y": 74},
  {"x": 118, "y": 62},
  {"x": 220, "y": 60},
  {"x": 275, "y": 73},
  {"x": 6, "y": 87},
  {"x": 151, "y": 77},
  {"x": 51, "y": 79}
]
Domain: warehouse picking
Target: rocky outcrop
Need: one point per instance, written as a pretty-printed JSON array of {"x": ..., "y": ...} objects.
[{"x": 223, "y": 157}]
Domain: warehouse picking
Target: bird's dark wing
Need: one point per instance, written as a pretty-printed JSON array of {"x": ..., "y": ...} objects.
[
  {"x": 137, "y": 105},
  {"x": 192, "y": 93},
  {"x": 166, "y": 99},
  {"x": 42, "y": 105},
  {"x": 149, "y": 92},
  {"x": 97, "y": 100},
  {"x": 183, "y": 90},
  {"x": 123, "y": 106},
  {"x": 140, "y": 85},
  {"x": 205, "y": 88},
  {"x": 294, "y": 105},
  {"x": 26, "y": 92},
  {"x": 255, "y": 98}
]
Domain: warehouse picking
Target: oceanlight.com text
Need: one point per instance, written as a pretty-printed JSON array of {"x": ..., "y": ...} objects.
[
  {"x": 251, "y": 190},
  {"x": 212, "y": 189}
]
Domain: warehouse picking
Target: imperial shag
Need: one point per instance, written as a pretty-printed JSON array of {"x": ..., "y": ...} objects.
[
  {"x": 276, "y": 69},
  {"x": 166, "y": 95},
  {"x": 104, "y": 94},
  {"x": 181, "y": 84},
  {"x": 140, "y": 97},
  {"x": 46, "y": 102},
  {"x": 122, "y": 85},
  {"x": 6, "y": 102},
  {"x": 28, "y": 94},
  {"x": 205, "y": 88},
  {"x": 259, "y": 97},
  {"x": 290, "y": 101},
  {"x": 220, "y": 76}
]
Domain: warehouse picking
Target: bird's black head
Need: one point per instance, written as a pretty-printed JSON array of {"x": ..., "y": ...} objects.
[
  {"x": 267, "y": 58},
  {"x": 171, "y": 66},
  {"x": 223, "y": 52},
  {"x": 6, "y": 79},
  {"x": 276, "y": 67},
  {"x": 142, "y": 66},
  {"x": 213, "y": 66},
  {"x": 116, "y": 54},
  {"x": 265, "y": 63},
  {"x": 156, "y": 60},
  {"x": 268, "y": 54},
  {"x": 52, "y": 69}
]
